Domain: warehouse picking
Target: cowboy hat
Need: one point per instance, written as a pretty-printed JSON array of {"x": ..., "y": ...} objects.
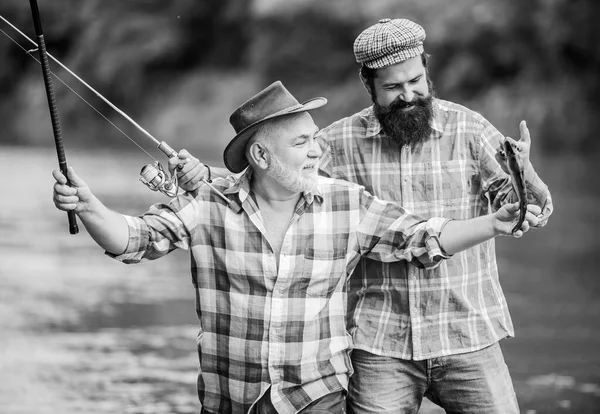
[{"x": 272, "y": 102}]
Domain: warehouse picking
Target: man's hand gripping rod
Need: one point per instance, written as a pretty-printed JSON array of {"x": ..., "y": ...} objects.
[{"x": 157, "y": 179}]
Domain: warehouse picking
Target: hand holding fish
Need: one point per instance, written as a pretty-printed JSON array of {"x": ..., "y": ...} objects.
[
  {"x": 507, "y": 217},
  {"x": 522, "y": 148}
]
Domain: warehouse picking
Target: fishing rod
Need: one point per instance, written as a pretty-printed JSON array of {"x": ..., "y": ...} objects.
[
  {"x": 60, "y": 151},
  {"x": 154, "y": 176}
]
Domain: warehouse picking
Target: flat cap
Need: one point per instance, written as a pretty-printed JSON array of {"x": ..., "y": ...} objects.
[{"x": 389, "y": 42}]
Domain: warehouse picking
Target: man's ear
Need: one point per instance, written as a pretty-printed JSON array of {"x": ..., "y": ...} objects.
[
  {"x": 258, "y": 155},
  {"x": 365, "y": 84}
]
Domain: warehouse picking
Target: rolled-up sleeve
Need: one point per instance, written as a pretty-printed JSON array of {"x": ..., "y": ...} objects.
[
  {"x": 153, "y": 235},
  {"x": 389, "y": 233}
]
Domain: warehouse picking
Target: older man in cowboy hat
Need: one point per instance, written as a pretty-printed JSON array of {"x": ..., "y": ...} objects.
[{"x": 271, "y": 250}]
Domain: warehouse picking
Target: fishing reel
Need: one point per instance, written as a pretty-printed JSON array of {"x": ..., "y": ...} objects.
[{"x": 156, "y": 178}]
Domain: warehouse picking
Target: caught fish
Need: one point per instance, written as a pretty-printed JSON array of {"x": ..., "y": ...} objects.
[{"x": 512, "y": 160}]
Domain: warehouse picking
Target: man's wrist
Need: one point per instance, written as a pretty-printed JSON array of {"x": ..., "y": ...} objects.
[
  {"x": 528, "y": 172},
  {"x": 495, "y": 225},
  {"x": 90, "y": 207}
]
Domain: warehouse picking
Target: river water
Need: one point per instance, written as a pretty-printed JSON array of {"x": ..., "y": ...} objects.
[{"x": 81, "y": 333}]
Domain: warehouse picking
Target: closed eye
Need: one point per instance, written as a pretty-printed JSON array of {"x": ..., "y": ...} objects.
[{"x": 412, "y": 81}]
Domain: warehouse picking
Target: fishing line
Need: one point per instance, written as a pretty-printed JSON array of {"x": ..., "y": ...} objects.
[
  {"x": 30, "y": 53},
  {"x": 163, "y": 146}
]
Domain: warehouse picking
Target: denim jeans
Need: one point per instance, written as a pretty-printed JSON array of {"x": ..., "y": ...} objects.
[{"x": 476, "y": 382}]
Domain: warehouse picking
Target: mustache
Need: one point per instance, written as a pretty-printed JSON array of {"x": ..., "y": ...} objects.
[{"x": 399, "y": 103}]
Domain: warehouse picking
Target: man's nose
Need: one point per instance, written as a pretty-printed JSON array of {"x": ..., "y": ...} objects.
[
  {"x": 315, "y": 149},
  {"x": 407, "y": 95}
]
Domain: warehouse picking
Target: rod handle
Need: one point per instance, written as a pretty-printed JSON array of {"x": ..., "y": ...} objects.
[{"x": 62, "y": 161}]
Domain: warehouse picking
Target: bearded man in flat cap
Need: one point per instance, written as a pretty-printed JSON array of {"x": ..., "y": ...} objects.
[{"x": 420, "y": 332}]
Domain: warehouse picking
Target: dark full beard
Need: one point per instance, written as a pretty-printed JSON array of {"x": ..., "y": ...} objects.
[{"x": 406, "y": 128}]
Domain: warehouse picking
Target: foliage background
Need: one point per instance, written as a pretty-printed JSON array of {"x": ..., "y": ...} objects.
[{"x": 180, "y": 67}]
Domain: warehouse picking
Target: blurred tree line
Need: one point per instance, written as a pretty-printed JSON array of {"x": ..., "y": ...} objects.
[{"x": 180, "y": 67}]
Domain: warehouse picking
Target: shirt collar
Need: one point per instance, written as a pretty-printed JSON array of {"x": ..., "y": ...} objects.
[
  {"x": 436, "y": 123},
  {"x": 241, "y": 188},
  {"x": 374, "y": 127},
  {"x": 317, "y": 195}
]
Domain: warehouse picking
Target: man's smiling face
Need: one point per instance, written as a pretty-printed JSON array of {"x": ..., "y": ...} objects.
[
  {"x": 402, "y": 94},
  {"x": 295, "y": 153}
]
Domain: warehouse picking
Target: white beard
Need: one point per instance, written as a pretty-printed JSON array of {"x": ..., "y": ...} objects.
[{"x": 292, "y": 180}]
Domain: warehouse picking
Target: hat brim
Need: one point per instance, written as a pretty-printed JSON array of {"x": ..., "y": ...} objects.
[{"x": 234, "y": 155}]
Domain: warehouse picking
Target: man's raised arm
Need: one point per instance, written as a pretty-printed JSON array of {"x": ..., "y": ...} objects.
[
  {"x": 108, "y": 228},
  {"x": 459, "y": 235}
]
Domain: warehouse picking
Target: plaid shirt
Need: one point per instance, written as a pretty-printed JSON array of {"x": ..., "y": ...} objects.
[
  {"x": 401, "y": 311},
  {"x": 281, "y": 329}
]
